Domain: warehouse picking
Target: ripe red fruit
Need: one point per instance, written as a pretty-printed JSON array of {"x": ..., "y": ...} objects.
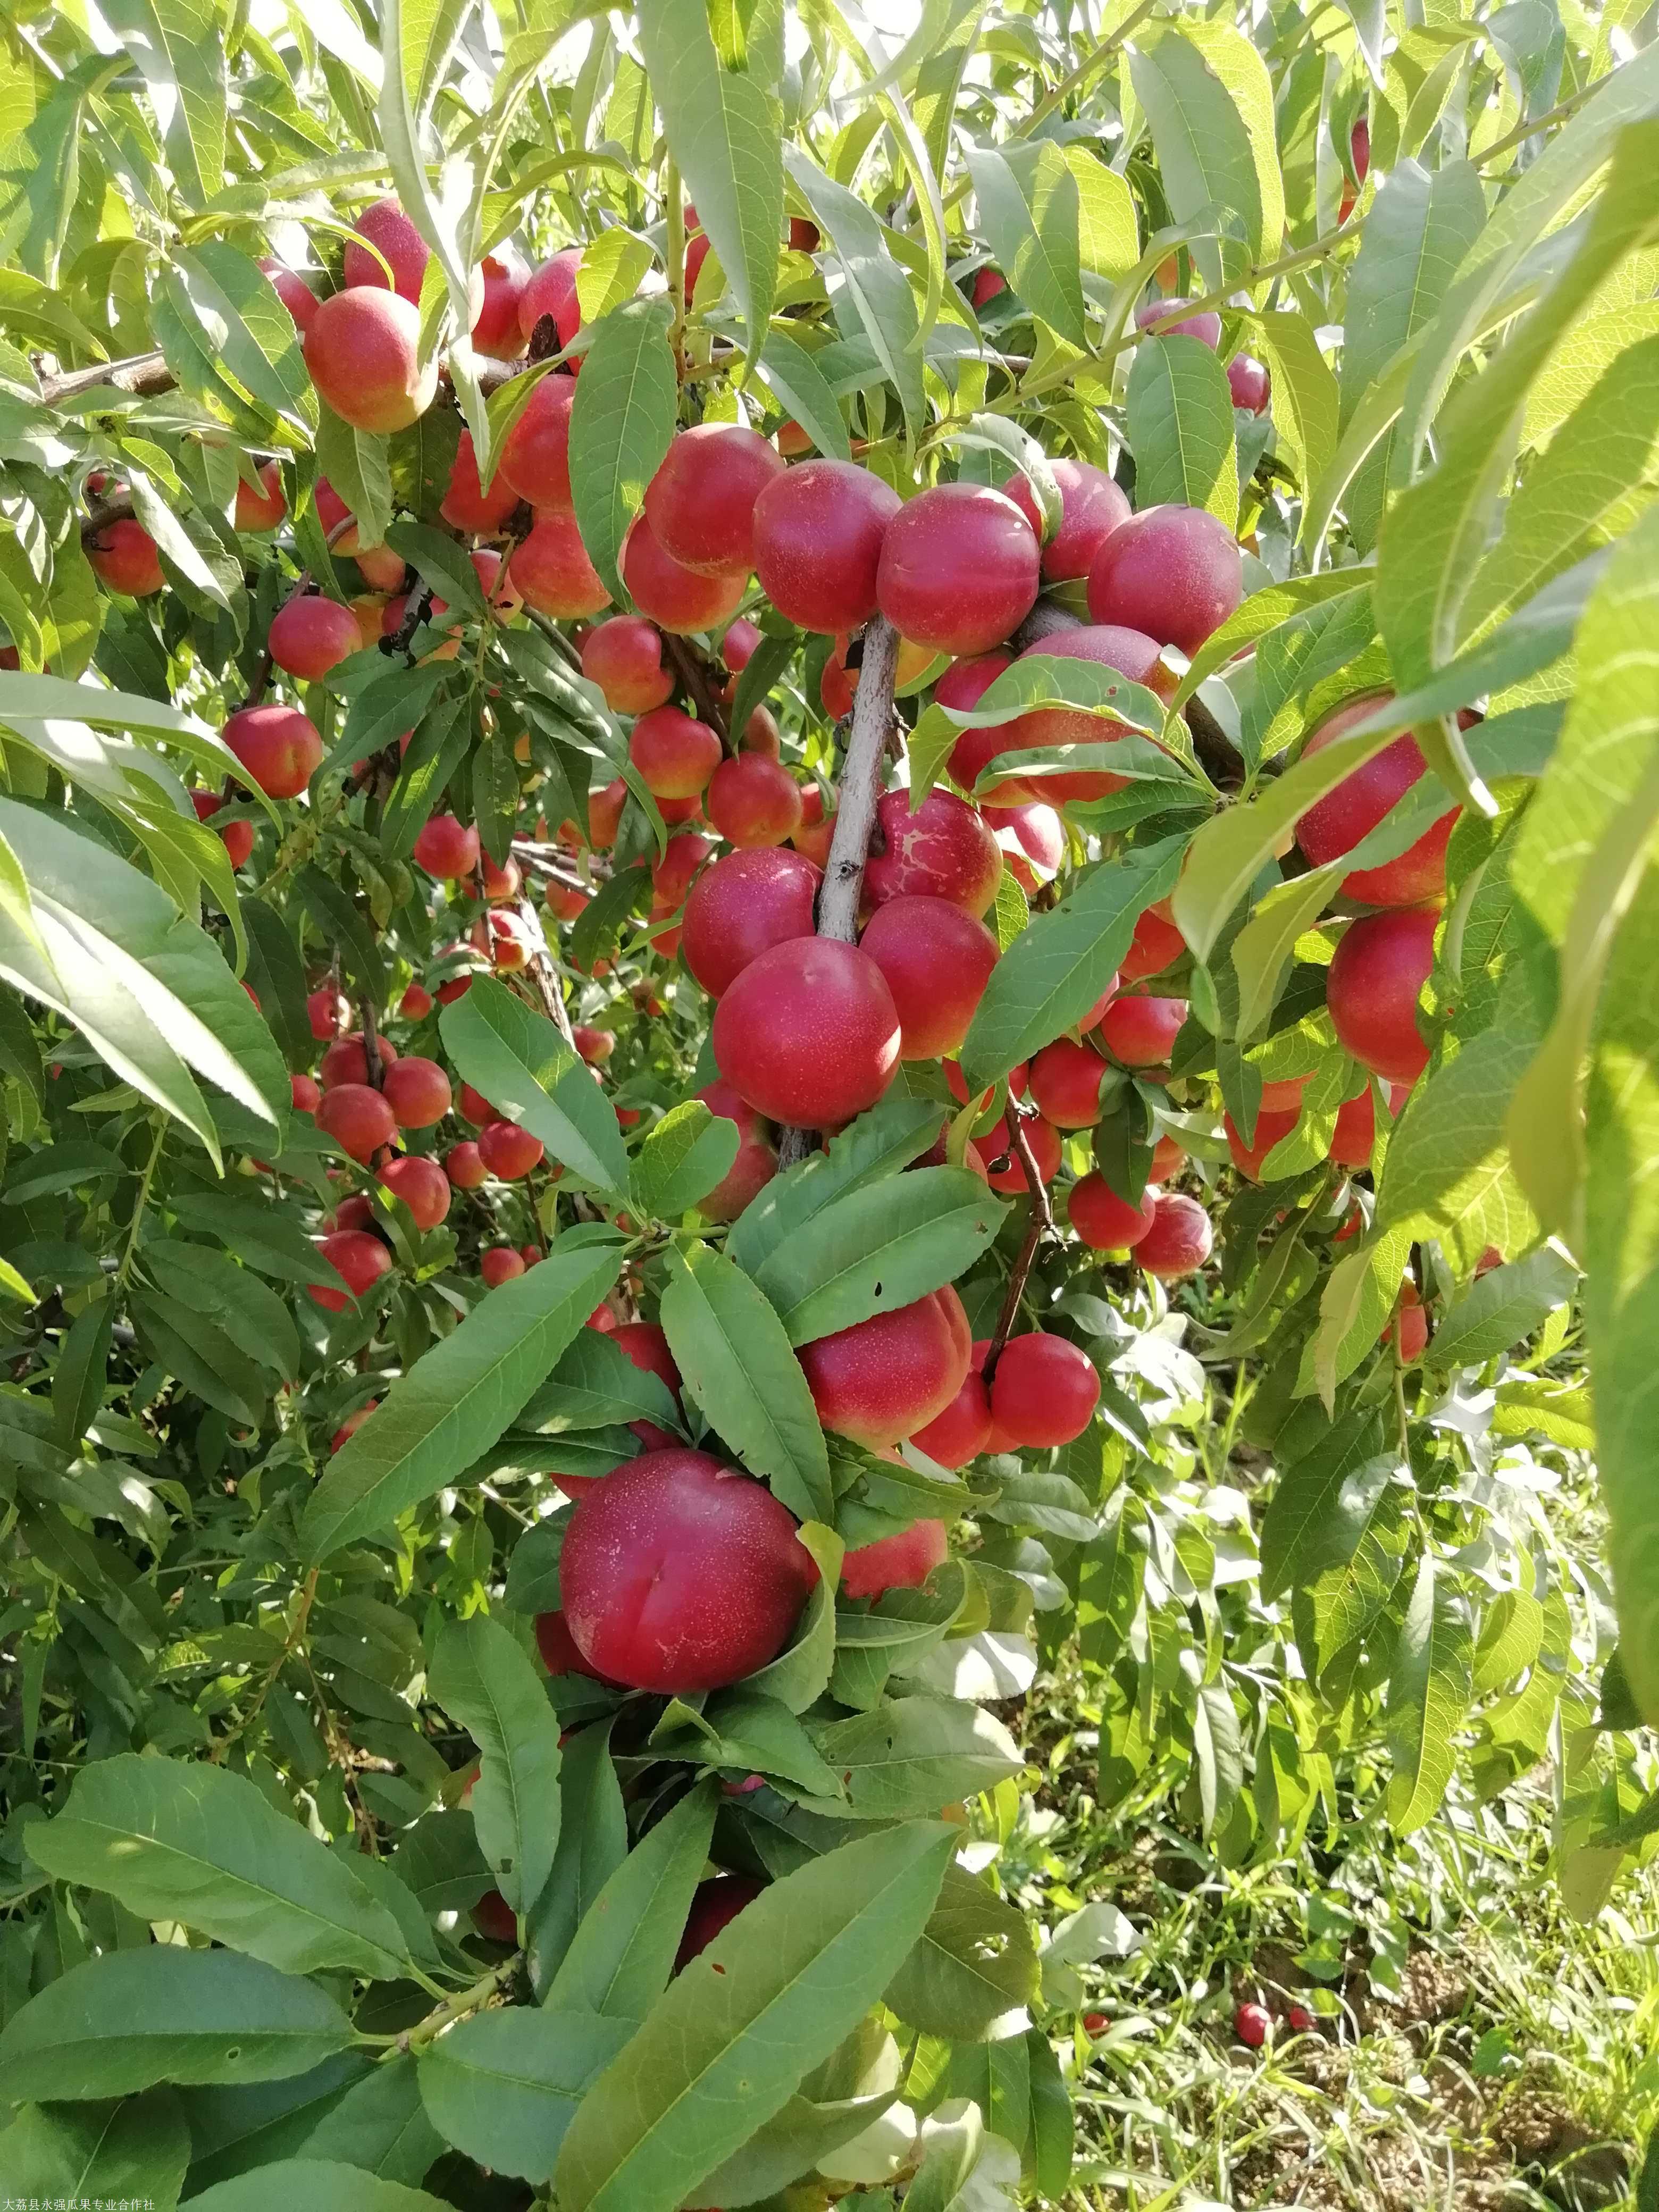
[
  {"x": 465, "y": 1170},
  {"x": 311, "y": 634},
  {"x": 380, "y": 566},
  {"x": 500, "y": 884},
  {"x": 937, "y": 961},
  {"x": 959, "y": 569},
  {"x": 804, "y": 236},
  {"x": 886, "y": 1377},
  {"x": 818, "y": 532},
  {"x": 295, "y": 295},
  {"x": 558, "y": 1646},
  {"x": 624, "y": 657},
  {"x": 595, "y": 1046},
  {"x": 496, "y": 326},
  {"x": 503, "y": 934},
  {"x": 1095, "y": 2023},
  {"x": 1066, "y": 1078},
  {"x": 552, "y": 291},
  {"x": 903, "y": 1561},
  {"x": 327, "y": 1013},
  {"x": 467, "y": 507},
  {"x": 700, "y": 504},
  {"x": 754, "y": 801},
  {"x": 1157, "y": 944},
  {"x": 1091, "y": 506},
  {"x": 1359, "y": 152},
  {"x": 1407, "y": 1327},
  {"x": 1334, "y": 825},
  {"x": 1105, "y": 1222},
  {"x": 353, "y": 1213},
  {"x": 1248, "y": 381},
  {"x": 363, "y": 352},
  {"x": 1252, "y": 2025},
  {"x": 278, "y": 747},
  {"x": 1205, "y": 325},
  {"x": 476, "y": 1107},
  {"x": 1173, "y": 572},
  {"x": 550, "y": 571},
  {"x": 674, "y": 752},
  {"x": 962, "y": 1431},
  {"x": 680, "y": 1574},
  {"x": 350, "y": 1426},
  {"x": 943, "y": 850},
  {"x": 738, "y": 647},
  {"x": 808, "y": 1033},
  {"x": 264, "y": 508},
  {"x": 1167, "y": 1157},
  {"x": 1376, "y": 980},
  {"x": 446, "y": 848},
  {"x": 387, "y": 226},
  {"x": 1097, "y": 1013},
  {"x": 358, "y": 1119},
  {"x": 1178, "y": 1243},
  {"x": 422, "y": 1186},
  {"x": 535, "y": 459},
  {"x": 757, "y": 1162},
  {"x": 988, "y": 283},
  {"x": 124, "y": 557},
  {"x": 1272, "y": 1124},
  {"x": 715, "y": 1906},
  {"x": 417, "y": 1091},
  {"x": 962, "y": 686},
  {"x": 696, "y": 253},
  {"x": 672, "y": 876},
  {"x": 304, "y": 1093},
  {"x": 499, "y": 1264},
  {"x": 760, "y": 735},
  {"x": 1354, "y": 1138},
  {"x": 1044, "y": 1391},
  {"x": 1300, "y": 2020},
  {"x": 1141, "y": 1031},
  {"x": 1127, "y": 653},
  {"x": 415, "y": 1004},
  {"x": 674, "y": 596},
  {"x": 237, "y": 837},
  {"x": 605, "y": 809},
  {"x": 508, "y": 1151},
  {"x": 346, "y": 1061},
  {"x": 359, "y": 1259},
  {"x": 1010, "y": 1177}
]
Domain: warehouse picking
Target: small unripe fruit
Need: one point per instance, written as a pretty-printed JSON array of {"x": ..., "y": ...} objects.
[
  {"x": 1091, "y": 506},
  {"x": 674, "y": 753},
  {"x": 885, "y": 1378},
  {"x": 700, "y": 504},
  {"x": 311, "y": 634},
  {"x": 465, "y": 1170},
  {"x": 679, "y": 1574},
  {"x": 262, "y": 509},
  {"x": 1095, "y": 2023},
  {"x": 1375, "y": 982},
  {"x": 1141, "y": 1031},
  {"x": 754, "y": 801},
  {"x": 363, "y": 352},
  {"x": 903, "y": 1561},
  {"x": 959, "y": 569},
  {"x": 1172, "y": 571},
  {"x": 508, "y": 1151},
  {"x": 1249, "y": 383},
  {"x": 1337, "y": 823},
  {"x": 1300, "y": 2020},
  {"x": 359, "y": 1259},
  {"x": 818, "y": 532},
  {"x": 962, "y": 1431},
  {"x": 535, "y": 457},
  {"x": 278, "y": 747},
  {"x": 124, "y": 557},
  {"x": 446, "y": 848},
  {"x": 943, "y": 850},
  {"x": 1105, "y": 1222},
  {"x": 937, "y": 961},
  {"x": 624, "y": 657},
  {"x": 421, "y": 1185},
  {"x": 1044, "y": 1391},
  {"x": 808, "y": 1033},
  {"x": 674, "y": 597},
  {"x": 357, "y": 1118},
  {"x": 1179, "y": 1241},
  {"x": 1066, "y": 1078},
  {"x": 550, "y": 571},
  {"x": 417, "y": 1091}
]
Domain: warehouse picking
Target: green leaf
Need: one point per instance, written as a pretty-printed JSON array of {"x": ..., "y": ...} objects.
[
  {"x": 771, "y": 1997},
  {"x": 593, "y": 1844},
  {"x": 254, "y": 336},
  {"x": 461, "y": 1396},
  {"x": 1052, "y": 974},
  {"x": 99, "y": 2152},
  {"x": 724, "y": 129},
  {"x": 1209, "y": 101},
  {"x": 1353, "y": 1567},
  {"x": 178, "y": 50},
  {"x": 595, "y": 1386},
  {"x": 622, "y": 1952},
  {"x": 319, "y": 2184},
  {"x": 1304, "y": 394},
  {"x": 379, "y": 2125},
  {"x": 1109, "y": 241},
  {"x": 872, "y": 1149},
  {"x": 684, "y": 1155},
  {"x": 878, "y": 1248},
  {"x": 880, "y": 293},
  {"x": 620, "y": 426},
  {"x": 1503, "y": 1307},
  {"x": 127, "y": 2019},
  {"x": 358, "y": 465},
  {"x": 504, "y": 2086},
  {"x": 1420, "y": 226},
  {"x": 1180, "y": 427},
  {"x": 738, "y": 1367},
  {"x": 788, "y": 371},
  {"x": 77, "y": 1381},
  {"x": 973, "y": 1967},
  {"x": 195, "y": 1843},
  {"x": 1306, "y": 1494},
  {"x": 1029, "y": 208},
  {"x": 910, "y": 1752},
  {"x": 520, "y": 1061},
  {"x": 484, "y": 1679},
  {"x": 1429, "y": 1691}
]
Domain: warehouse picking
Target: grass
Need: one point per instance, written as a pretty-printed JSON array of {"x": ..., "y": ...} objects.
[{"x": 1476, "y": 2047}]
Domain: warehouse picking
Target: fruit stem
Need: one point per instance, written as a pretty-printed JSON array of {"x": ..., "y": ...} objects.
[
  {"x": 693, "y": 672},
  {"x": 374, "y": 1064},
  {"x": 1042, "y": 1223}
]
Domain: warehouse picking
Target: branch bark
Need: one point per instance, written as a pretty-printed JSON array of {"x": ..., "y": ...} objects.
[
  {"x": 692, "y": 671},
  {"x": 544, "y": 975},
  {"x": 1041, "y": 1224}
]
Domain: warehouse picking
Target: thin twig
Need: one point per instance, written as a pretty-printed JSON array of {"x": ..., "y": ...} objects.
[
  {"x": 419, "y": 607},
  {"x": 1041, "y": 1224},
  {"x": 544, "y": 975},
  {"x": 373, "y": 1059},
  {"x": 695, "y": 676}
]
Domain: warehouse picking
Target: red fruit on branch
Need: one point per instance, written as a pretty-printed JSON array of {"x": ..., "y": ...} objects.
[
  {"x": 384, "y": 225},
  {"x": 362, "y": 350},
  {"x": 124, "y": 557},
  {"x": 1204, "y": 325},
  {"x": 1092, "y": 505},
  {"x": 680, "y": 1574},
  {"x": 311, "y": 634},
  {"x": 1337, "y": 823},
  {"x": 346, "y": 1061},
  {"x": 237, "y": 837},
  {"x": 1179, "y": 1240},
  {"x": 495, "y": 330},
  {"x": 1005, "y": 1170},
  {"x": 808, "y": 1033},
  {"x": 508, "y": 1151},
  {"x": 903, "y": 1561},
  {"x": 535, "y": 457},
  {"x": 624, "y": 657},
  {"x": 672, "y": 595},
  {"x": 421, "y": 1185},
  {"x": 937, "y": 961},
  {"x": 1127, "y": 653},
  {"x": 263, "y": 509},
  {"x": 754, "y": 801},
  {"x": 818, "y": 531},
  {"x": 943, "y": 850},
  {"x": 716, "y": 1906},
  {"x": 1173, "y": 573},
  {"x": 885, "y": 1378},
  {"x": 1157, "y": 944},
  {"x": 327, "y": 1013},
  {"x": 417, "y": 1091},
  {"x": 291, "y": 289},
  {"x": 552, "y": 291},
  {"x": 358, "y": 1119},
  {"x": 446, "y": 848},
  {"x": 467, "y": 507},
  {"x": 1141, "y": 1031},
  {"x": 279, "y": 748},
  {"x": 499, "y": 1264},
  {"x": 359, "y": 1259},
  {"x": 1105, "y": 1222},
  {"x": 1271, "y": 1127},
  {"x": 701, "y": 503},
  {"x": 1249, "y": 383},
  {"x": 674, "y": 753},
  {"x": 1354, "y": 1138},
  {"x": 464, "y": 1167},
  {"x": 550, "y": 571},
  {"x": 959, "y": 569},
  {"x": 757, "y": 1162},
  {"x": 557, "y": 1645},
  {"x": 1065, "y": 1079},
  {"x": 1044, "y": 1391},
  {"x": 1375, "y": 982},
  {"x": 962, "y": 1431}
]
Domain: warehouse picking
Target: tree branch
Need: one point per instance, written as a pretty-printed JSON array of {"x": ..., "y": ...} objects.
[
  {"x": 692, "y": 671},
  {"x": 1041, "y": 1224},
  {"x": 544, "y": 975}
]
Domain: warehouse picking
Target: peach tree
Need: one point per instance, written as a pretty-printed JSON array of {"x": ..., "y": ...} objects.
[{"x": 824, "y": 880}]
